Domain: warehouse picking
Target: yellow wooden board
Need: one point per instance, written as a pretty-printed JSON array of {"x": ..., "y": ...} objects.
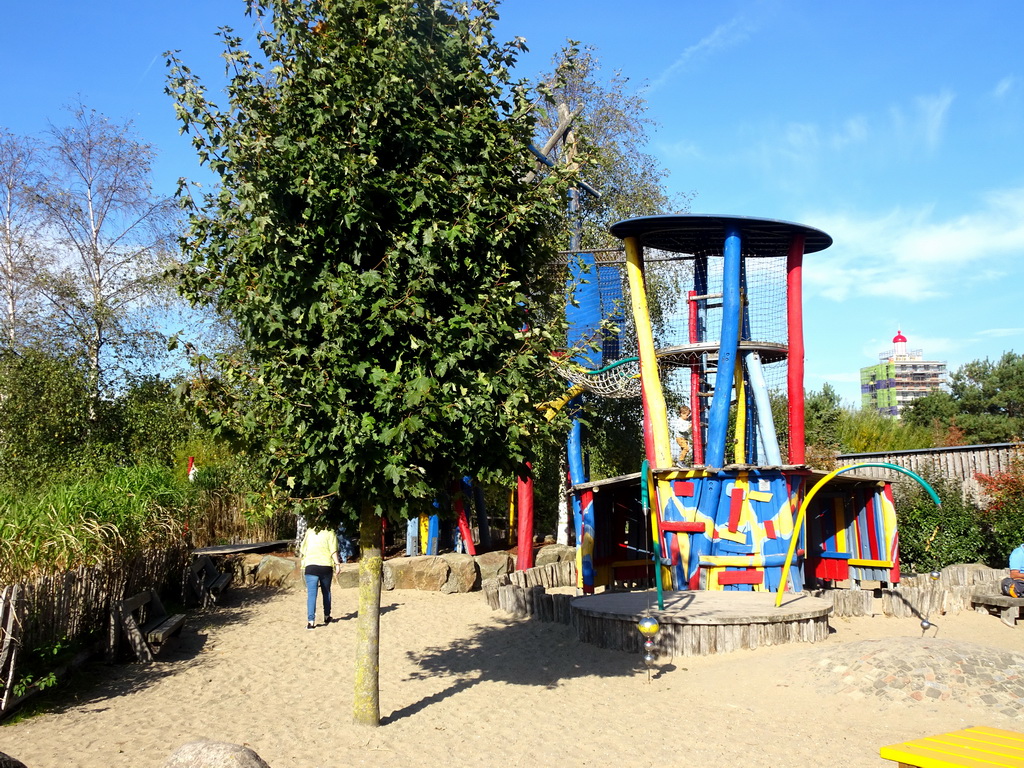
[
  {"x": 870, "y": 563},
  {"x": 969, "y": 748}
]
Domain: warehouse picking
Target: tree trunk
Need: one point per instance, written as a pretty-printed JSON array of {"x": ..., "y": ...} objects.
[{"x": 366, "y": 703}]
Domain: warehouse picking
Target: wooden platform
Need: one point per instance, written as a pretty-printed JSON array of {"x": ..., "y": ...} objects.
[
  {"x": 234, "y": 549},
  {"x": 700, "y": 623}
]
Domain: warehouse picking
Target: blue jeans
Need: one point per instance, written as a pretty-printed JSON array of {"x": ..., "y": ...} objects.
[{"x": 320, "y": 577}]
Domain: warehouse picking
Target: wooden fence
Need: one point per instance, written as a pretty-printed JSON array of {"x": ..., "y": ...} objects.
[
  {"x": 74, "y": 607},
  {"x": 962, "y": 462}
]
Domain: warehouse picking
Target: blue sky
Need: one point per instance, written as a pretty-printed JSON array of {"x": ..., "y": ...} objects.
[{"x": 898, "y": 128}]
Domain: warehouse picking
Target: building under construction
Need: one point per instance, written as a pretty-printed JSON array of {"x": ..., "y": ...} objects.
[{"x": 901, "y": 377}]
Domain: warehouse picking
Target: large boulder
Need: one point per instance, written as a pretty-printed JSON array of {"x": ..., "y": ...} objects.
[
  {"x": 427, "y": 573},
  {"x": 6, "y": 761},
  {"x": 554, "y": 553},
  {"x": 463, "y": 574},
  {"x": 347, "y": 577},
  {"x": 493, "y": 564},
  {"x": 275, "y": 571},
  {"x": 214, "y": 754}
]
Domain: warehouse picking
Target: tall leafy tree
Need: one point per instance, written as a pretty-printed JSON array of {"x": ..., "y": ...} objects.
[
  {"x": 375, "y": 241},
  {"x": 985, "y": 402}
]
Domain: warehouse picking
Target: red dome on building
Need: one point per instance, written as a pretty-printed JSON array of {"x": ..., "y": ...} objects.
[{"x": 899, "y": 337}]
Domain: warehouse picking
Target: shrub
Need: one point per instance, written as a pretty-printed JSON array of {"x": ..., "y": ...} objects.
[
  {"x": 1003, "y": 516},
  {"x": 932, "y": 537}
]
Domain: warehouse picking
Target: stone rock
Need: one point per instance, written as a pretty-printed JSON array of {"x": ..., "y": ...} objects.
[
  {"x": 427, "y": 573},
  {"x": 554, "y": 553},
  {"x": 6, "y": 761},
  {"x": 493, "y": 564},
  {"x": 463, "y": 574},
  {"x": 274, "y": 571},
  {"x": 348, "y": 576},
  {"x": 214, "y": 754}
]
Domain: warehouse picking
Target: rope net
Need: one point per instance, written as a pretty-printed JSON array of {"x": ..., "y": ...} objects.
[{"x": 684, "y": 293}]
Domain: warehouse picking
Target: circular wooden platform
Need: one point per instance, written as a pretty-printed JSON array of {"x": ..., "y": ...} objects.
[{"x": 698, "y": 623}]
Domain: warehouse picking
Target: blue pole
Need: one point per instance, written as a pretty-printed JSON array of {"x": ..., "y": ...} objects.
[{"x": 718, "y": 416}]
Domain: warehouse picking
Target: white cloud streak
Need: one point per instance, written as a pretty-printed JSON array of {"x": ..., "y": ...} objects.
[
  {"x": 1004, "y": 86},
  {"x": 725, "y": 36}
]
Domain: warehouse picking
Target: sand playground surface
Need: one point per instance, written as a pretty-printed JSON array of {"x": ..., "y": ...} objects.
[{"x": 464, "y": 686}]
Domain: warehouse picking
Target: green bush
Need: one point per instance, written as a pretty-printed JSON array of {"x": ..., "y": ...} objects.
[{"x": 932, "y": 537}]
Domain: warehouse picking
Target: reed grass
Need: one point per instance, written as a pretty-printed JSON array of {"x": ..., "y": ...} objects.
[{"x": 90, "y": 521}]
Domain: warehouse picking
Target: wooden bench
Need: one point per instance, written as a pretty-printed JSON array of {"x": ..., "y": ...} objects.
[
  {"x": 969, "y": 748},
  {"x": 149, "y": 638},
  {"x": 1008, "y": 608},
  {"x": 207, "y": 581}
]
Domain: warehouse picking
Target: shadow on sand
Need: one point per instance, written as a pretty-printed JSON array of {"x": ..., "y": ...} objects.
[{"x": 516, "y": 652}]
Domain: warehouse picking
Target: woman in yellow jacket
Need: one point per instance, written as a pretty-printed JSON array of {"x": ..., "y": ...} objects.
[{"x": 319, "y": 553}]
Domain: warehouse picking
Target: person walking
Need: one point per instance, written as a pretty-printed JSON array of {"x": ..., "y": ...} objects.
[{"x": 319, "y": 553}]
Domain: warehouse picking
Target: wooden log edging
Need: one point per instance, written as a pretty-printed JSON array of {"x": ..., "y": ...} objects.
[
  {"x": 917, "y": 595},
  {"x": 700, "y": 623},
  {"x": 524, "y": 593}
]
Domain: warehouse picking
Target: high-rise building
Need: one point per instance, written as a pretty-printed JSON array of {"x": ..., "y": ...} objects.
[{"x": 900, "y": 378}]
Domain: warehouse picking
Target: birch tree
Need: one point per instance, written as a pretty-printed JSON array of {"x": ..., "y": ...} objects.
[
  {"x": 110, "y": 236},
  {"x": 21, "y": 244}
]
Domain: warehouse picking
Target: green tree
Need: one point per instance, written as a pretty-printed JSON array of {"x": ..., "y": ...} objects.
[
  {"x": 110, "y": 236},
  {"x": 375, "y": 240},
  {"x": 602, "y": 128},
  {"x": 985, "y": 402},
  {"x": 44, "y": 427},
  {"x": 867, "y": 431}
]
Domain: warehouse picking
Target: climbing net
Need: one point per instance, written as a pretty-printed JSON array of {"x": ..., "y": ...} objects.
[{"x": 620, "y": 379}]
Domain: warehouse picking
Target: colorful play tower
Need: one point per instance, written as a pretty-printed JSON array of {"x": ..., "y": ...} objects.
[{"x": 724, "y": 481}]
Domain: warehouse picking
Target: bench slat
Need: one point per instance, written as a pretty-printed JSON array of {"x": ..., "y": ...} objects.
[{"x": 163, "y": 628}]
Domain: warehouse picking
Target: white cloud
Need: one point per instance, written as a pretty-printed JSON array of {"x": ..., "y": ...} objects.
[
  {"x": 853, "y": 131},
  {"x": 1000, "y": 333},
  {"x": 724, "y": 36},
  {"x": 1004, "y": 86},
  {"x": 908, "y": 255},
  {"x": 680, "y": 150},
  {"x": 925, "y": 122}
]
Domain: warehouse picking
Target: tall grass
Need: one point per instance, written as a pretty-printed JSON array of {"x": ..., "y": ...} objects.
[{"x": 112, "y": 515}]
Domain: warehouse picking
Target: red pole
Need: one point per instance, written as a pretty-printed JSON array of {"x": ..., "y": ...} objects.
[
  {"x": 697, "y": 447},
  {"x": 524, "y": 500},
  {"x": 460, "y": 512},
  {"x": 795, "y": 369}
]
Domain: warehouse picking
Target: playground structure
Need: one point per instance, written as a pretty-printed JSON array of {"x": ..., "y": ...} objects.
[{"x": 728, "y": 344}]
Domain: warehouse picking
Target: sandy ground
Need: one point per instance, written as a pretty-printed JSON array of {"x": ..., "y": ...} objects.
[{"x": 464, "y": 686}]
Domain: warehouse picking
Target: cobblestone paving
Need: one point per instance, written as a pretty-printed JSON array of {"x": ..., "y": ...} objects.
[{"x": 909, "y": 669}]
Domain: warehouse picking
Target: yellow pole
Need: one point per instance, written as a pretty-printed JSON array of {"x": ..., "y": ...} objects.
[
  {"x": 740, "y": 443},
  {"x": 783, "y": 577},
  {"x": 511, "y": 515},
  {"x": 654, "y": 397}
]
